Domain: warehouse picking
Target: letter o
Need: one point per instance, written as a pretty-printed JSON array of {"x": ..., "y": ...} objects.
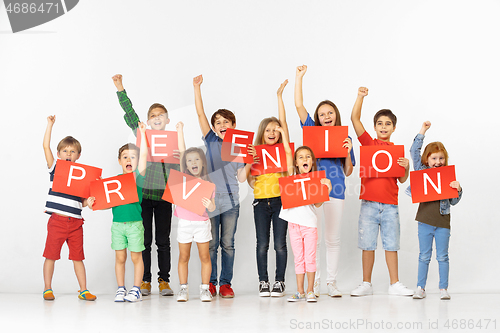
[{"x": 375, "y": 156}]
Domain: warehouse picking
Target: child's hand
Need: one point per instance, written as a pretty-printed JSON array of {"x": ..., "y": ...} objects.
[
  {"x": 425, "y": 126},
  {"x": 301, "y": 70},
  {"x": 90, "y": 202},
  {"x": 362, "y": 91},
  {"x": 179, "y": 126},
  {"x": 208, "y": 204},
  {"x": 282, "y": 87},
  {"x": 327, "y": 182},
  {"x": 197, "y": 81},
  {"x": 176, "y": 154},
  {"x": 404, "y": 162},
  {"x": 456, "y": 184},
  {"x": 142, "y": 127},
  {"x": 253, "y": 152},
  {"x": 279, "y": 129},
  {"x": 117, "y": 80},
  {"x": 348, "y": 145},
  {"x": 51, "y": 120}
]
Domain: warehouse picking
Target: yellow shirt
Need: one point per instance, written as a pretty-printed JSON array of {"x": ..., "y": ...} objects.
[{"x": 267, "y": 185}]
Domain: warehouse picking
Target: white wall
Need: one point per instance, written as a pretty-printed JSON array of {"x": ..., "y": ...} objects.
[{"x": 425, "y": 60}]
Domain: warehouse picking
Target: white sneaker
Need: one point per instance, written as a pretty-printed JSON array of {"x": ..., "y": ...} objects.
[
  {"x": 400, "y": 289},
  {"x": 419, "y": 294},
  {"x": 205, "y": 295},
  {"x": 134, "y": 295},
  {"x": 183, "y": 294},
  {"x": 120, "y": 294},
  {"x": 310, "y": 297},
  {"x": 317, "y": 287},
  {"x": 333, "y": 290},
  {"x": 363, "y": 289},
  {"x": 444, "y": 294}
]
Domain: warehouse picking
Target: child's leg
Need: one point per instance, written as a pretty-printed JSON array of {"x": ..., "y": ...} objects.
[
  {"x": 182, "y": 267},
  {"x": 300, "y": 283},
  {"x": 368, "y": 228},
  {"x": 310, "y": 241},
  {"x": 310, "y": 281},
  {"x": 48, "y": 273},
  {"x": 262, "y": 213},
  {"x": 442, "y": 237},
  {"x": 206, "y": 265},
  {"x": 120, "y": 259},
  {"x": 391, "y": 258},
  {"x": 425, "y": 237},
  {"x": 333, "y": 210},
  {"x": 280, "y": 228},
  {"x": 80, "y": 274},
  {"x": 368, "y": 258},
  {"x": 296, "y": 242},
  {"x": 138, "y": 267}
]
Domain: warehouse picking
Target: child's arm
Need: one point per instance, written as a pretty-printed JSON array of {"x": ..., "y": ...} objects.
[
  {"x": 46, "y": 141},
  {"x": 208, "y": 203},
  {"x": 416, "y": 146},
  {"x": 281, "y": 111},
  {"x": 180, "y": 140},
  {"x": 244, "y": 173},
  {"x": 90, "y": 202},
  {"x": 202, "y": 118},
  {"x": 131, "y": 117},
  {"x": 288, "y": 152},
  {"x": 327, "y": 182},
  {"x": 456, "y": 184},
  {"x": 356, "y": 111},
  {"x": 143, "y": 155},
  {"x": 405, "y": 163},
  {"x": 299, "y": 100},
  {"x": 348, "y": 162}
]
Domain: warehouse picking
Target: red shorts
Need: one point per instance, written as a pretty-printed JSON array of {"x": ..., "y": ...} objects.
[{"x": 62, "y": 229}]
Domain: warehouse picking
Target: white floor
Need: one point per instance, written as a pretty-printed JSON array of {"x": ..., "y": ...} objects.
[{"x": 250, "y": 313}]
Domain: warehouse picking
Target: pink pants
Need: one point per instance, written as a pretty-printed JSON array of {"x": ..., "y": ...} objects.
[{"x": 303, "y": 241}]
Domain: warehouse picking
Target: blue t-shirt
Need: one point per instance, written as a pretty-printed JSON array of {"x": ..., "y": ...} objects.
[
  {"x": 333, "y": 168},
  {"x": 223, "y": 174}
]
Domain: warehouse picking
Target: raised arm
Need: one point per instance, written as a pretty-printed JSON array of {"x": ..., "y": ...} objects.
[
  {"x": 416, "y": 146},
  {"x": 180, "y": 140},
  {"x": 202, "y": 118},
  {"x": 356, "y": 111},
  {"x": 131, "y": 118},
  {"x": 299, "y": 100},
  {"x": 49, "y": 157},
  {"x": 143, "y": 155},
  {"x": 348, "y": 162},
  {"x": 288, "y": 152},
  {"x": 281, "y": 111},
  {"x": 117, "y": 80}
]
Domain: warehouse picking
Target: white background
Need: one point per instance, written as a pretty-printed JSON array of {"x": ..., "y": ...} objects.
[{"x": 425, "y": 60}]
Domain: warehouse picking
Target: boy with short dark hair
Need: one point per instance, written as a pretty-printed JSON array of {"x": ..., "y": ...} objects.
[
  {"x": 152, "y": 204},
  {"x": 65, "y": 222},
  {"x": 379, "y": 205}
]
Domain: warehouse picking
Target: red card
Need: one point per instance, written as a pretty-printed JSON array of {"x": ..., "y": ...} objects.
[
  {"x": 234, "y": 146},
  {"x": 186, "y": 191},
  {"x": 74, "y": 178},
  {"x": 433, "y": 184},
  {"x": 380, "y": 161},
  {"x": 161, "y": 146},
  {"x": 303, "y": 189},
  {"x": 272, "y": 159},
  {"x": 325, "y": 141},
  {"x": 114, "y": 191}
]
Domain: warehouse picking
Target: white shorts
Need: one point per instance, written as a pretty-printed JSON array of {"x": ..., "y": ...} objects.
[{"x": 194, "y": 231}]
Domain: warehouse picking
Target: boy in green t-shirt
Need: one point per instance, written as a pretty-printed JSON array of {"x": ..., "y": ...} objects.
[{"x": 127, "y": 230}]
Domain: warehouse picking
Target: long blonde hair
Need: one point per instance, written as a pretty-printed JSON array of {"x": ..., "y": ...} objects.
[{"x": 259, "y": 138}]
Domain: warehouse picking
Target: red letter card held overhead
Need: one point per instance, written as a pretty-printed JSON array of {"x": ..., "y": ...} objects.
[
  {"x": 433, "y": 184},
  {"x": 272, "y": 159},
  {"x": 74, "y": 179},
  {"x": 234, "y": 146},
  {"x": 325, "y": 141},
  {"x": 303, "y": 189},
  {"x": 114, "y": 191},
  {"x": 380, "y": 161},
  {"x": 186, "y": 191},
  {"x": 161, "y": 146}
]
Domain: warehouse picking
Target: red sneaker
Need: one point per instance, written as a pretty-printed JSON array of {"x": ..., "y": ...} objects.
[
  {"x": 212, "y": 289},
  {"x": 226, "y": 291}
]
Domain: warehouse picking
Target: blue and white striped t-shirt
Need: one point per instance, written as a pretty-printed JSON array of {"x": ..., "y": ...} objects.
[{"x": 60, "y": 203}]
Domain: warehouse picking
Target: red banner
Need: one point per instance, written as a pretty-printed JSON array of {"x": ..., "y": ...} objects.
[
  {"x": 161, "y": 146},
  {"x": 303, "y": 189},
  {"x": 74, "y": 178},
  {"x": 234, "y": 146},
  {"x": 272, "y": 158},
  {"x": 114, "y": 191},
  {"x": 433, "y": 184},
  {"x": 187, "y": 191},
  {"x": 380, "y": 161},
  {"x": 325, "y": 141}
]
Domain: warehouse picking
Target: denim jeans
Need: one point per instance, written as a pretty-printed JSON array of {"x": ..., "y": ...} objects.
[
  {"x": 374, "y": 216},
  {"x": 426, "y": 233},
  {"x": 267, "y": 211},
  {"x": 224, "y": 220}
]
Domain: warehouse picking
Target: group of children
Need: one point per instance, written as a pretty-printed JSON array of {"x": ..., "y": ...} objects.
[{"x": 132, "y": 226}]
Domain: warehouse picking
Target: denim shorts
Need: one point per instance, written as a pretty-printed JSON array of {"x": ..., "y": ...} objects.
[{"x": 372, "y": 216}]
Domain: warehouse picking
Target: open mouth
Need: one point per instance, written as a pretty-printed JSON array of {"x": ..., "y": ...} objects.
[
  {"x": 194, "y": 170},
  {"x": 328, "y": 122},
  {"x": 68, "y": 159},
  {"x": 128, "y": 167},
  {"x": 223, "y": 131},
  {"x": 305, "y": 166},
  {"x": 157, "y": 123}
]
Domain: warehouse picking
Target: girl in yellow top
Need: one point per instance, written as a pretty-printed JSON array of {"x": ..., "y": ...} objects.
[{"x": 267, "y": 205}]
